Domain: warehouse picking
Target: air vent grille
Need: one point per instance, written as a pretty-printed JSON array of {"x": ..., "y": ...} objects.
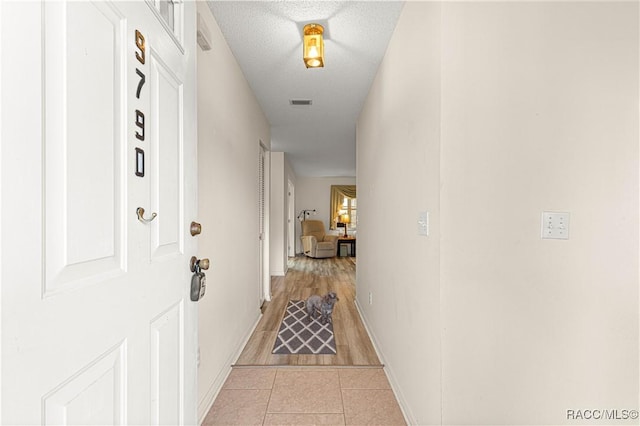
[{"x": 300, "y": 102}]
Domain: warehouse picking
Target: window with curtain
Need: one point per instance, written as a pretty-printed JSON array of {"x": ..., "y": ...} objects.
[{"x": 343, "y": 206}]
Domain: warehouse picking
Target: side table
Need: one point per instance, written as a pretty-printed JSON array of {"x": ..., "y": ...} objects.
[{"x": 352, "y": 245}]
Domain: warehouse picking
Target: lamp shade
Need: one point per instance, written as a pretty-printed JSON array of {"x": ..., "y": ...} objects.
[{"x": 313, "y": 46}]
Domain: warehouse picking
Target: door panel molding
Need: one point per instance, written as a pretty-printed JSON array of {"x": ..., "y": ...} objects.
[
  {"x": 84, "y": 228},
  {"x": 94, "y": 395},
  {"x": 167, "y": 151},
  {"x": 167, "y": 366}
]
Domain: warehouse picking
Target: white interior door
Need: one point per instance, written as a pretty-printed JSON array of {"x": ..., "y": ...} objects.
[{"x": 97, "y": 324}]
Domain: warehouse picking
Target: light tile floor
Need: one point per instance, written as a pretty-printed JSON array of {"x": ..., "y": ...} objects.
[{"x": 305, "y": 396}]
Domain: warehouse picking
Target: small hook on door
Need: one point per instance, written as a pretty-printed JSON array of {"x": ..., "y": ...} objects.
[{"x": 140, "y": 213}]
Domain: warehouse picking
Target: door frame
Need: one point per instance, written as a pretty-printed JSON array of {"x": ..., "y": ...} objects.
[
  {"x": 264, "y": 272},
  {"x": 291, "y": 219}
]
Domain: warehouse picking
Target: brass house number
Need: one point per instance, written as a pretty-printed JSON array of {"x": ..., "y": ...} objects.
[{"x": 139, "y": 118}]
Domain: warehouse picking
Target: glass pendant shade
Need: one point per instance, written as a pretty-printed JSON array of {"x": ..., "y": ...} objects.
[{"x": 313, "y": 46}]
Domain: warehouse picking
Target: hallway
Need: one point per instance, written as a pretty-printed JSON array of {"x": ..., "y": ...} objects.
[
  {"x": 347, "y": 388},
  {"x": 307, "y": 276}
]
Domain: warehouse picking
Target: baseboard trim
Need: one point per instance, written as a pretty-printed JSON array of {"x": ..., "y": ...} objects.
[
  {"x": 212, "y": 393},
  {"x": 388, "y": 371}
]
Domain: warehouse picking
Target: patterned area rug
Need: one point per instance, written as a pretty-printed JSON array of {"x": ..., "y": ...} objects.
[{"x": 298, "y": 336}]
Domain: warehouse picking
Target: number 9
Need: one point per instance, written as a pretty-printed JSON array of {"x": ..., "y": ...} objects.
[{"x": 140, "y": 45}]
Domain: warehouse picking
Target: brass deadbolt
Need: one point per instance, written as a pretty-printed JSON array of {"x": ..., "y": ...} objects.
[{"x": 196, "y": 229}]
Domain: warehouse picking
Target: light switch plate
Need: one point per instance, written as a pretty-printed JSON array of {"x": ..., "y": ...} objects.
[
  {"x": 555, "y": 225},
  {"x": 423, "y": 223}
]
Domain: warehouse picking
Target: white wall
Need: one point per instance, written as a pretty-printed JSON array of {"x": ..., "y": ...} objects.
[
  {"x": 281, "y": 173},
  {"x": 510, "y": 110},
  {"x": 398, "y": 143},
  {"x": 540, "y": 107},
  {"x": 315, "y": 193},
  {"x": 230, "y": 126}
]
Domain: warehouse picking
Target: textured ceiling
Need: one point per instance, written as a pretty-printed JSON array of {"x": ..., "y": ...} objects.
[{"x": 265, "y": 37}]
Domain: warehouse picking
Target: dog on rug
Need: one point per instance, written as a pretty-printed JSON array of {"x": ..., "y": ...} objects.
[{"x": 321, "y": 305}]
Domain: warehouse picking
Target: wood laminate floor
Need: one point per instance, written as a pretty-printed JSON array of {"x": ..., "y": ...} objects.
[{"x": 307, "y": 276}]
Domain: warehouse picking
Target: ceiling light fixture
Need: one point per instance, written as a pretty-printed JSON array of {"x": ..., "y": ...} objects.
[{"x": 313, "y": 46}]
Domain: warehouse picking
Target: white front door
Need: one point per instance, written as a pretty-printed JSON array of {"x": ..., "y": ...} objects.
[{"x": 97, "y": 119}]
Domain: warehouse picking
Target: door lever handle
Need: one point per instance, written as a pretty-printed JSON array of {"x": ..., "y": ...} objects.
[{"x": 140, "y": 213}]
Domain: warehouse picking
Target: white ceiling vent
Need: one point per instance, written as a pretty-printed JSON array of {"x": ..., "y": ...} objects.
[{"x": 300, "y": 102}]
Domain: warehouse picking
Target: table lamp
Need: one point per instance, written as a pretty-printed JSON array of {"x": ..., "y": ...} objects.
[{"x": 345, "y": 219}]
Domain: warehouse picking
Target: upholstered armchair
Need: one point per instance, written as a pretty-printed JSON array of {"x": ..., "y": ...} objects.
[{"x": 315, "y": 242}]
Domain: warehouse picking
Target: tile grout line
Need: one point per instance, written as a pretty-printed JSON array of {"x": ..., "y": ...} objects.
[
  {"x": 266, "y": 410},
  {"x": 344, "y": 414}
]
